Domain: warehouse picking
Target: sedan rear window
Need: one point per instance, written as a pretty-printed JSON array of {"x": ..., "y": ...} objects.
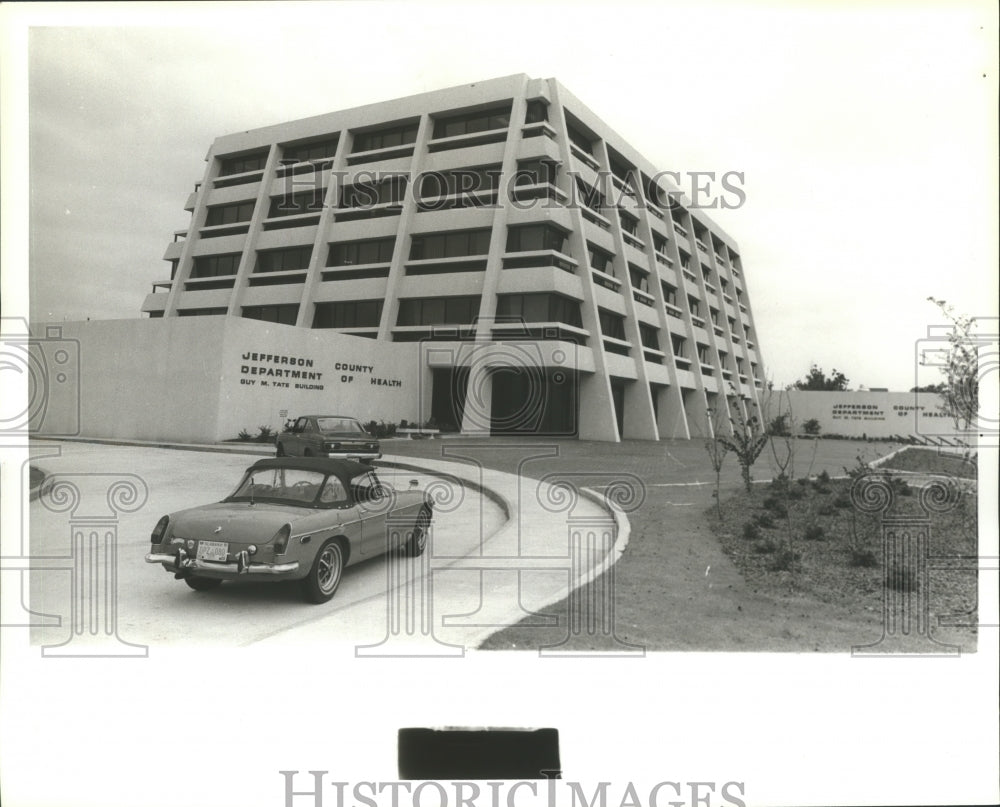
[
  {"x": 291, "y": 485},
  {"x": 339, "y": 426}
]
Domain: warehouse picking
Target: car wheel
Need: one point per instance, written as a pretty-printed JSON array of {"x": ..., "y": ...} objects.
[
  {"x": 418, "y": 538},
  {"x": 280, "y": 451},
  {"x": 203, "y": 583},
  {"x": 324, "y": 577}
]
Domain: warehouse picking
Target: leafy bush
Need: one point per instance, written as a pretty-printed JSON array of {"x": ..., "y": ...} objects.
[
  {"x": 843, "y": 501},
  {"x": 265, "y": 434},
  {"x": 811, "y": 426},
  {"x": 796, "y": 493},
  {"x": 751, "y": 531},
  {"x": 775, "y": 506},
  {"x": 779, "y": 483},
  {"x": 245, "y": 436},
  {"x": 778, "y": 427},
  {"x": 765, "y": 547},
  {"x": 814, "y": 532},
  {"x": 783, "y": 561},
  {"x": 899, "y": 486},
  {"x": 823, "y": 477},
  {"x": 826, "y": 510},
  {"x": 804, "y": 481},
  {"x": 763, "y": 520},
  {"x": 380, "y": 429}
]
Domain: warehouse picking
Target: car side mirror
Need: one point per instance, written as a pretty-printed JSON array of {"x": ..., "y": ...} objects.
[{"x": 414, "y": 483}]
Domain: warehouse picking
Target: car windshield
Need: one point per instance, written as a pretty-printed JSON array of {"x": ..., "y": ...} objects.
[
  {"x": 339, "y": 426},
  {"x": 290, "y": 486}
]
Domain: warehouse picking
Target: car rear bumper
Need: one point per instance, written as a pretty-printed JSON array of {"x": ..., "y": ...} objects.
[
  {"x": 354, "y": 455},
  {"x": 181, "y": 563}
]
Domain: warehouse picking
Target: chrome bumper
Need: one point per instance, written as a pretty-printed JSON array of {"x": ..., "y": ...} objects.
[{"x": 181, "y": 563}]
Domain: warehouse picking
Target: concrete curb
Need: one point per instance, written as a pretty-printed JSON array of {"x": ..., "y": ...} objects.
[{"x": 394, "y": 461}]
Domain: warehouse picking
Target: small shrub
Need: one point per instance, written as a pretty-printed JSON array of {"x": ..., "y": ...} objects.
[
  {"x": 751, "y": 531},
  {"x": 763, "y": 520},
  {"x": 814, "y": 532},
  {"x": 796, "y": 493},
  {"x": 803, "y": 481},
  {"x": 779, "y": 483},
  {"x": 765, "y": 547},
  {"x": 899, "y": 486},
  {"x": 824, "y": 477},
  {"x": 826, "y": 510},
  {"x": 820, "y": 488},
  {"x": 783, "y": 561},
  {"x": 779, "y": 426},
  {"x": 380, "y": 429},
  {"x": 245, "y": 436},
  {"x": 843, "y": 501},
  {"x": 864, "y": 558},
  {"x": 811, "y": 426},
  {"x": 861, "y": 467},
  {"x": 265, "y": 434},
  {"x": 775, "y": 506}
]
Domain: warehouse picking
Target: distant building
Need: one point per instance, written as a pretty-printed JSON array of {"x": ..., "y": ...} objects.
[{"x": 529, "y": 258}]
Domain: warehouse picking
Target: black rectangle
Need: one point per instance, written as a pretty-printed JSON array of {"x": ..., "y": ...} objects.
[{"x": 461, "y": 754}]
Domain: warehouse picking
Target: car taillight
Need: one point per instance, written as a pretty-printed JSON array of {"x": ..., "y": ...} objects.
[
  {"x": 159, "y": 530},
  {"x": 281, "y": 539}
]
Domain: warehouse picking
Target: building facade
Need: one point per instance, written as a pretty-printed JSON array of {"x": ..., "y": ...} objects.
[{"x": 553, "y": 281}]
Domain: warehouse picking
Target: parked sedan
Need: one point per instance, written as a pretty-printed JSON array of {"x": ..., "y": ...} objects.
[
  {"x": 293, "y": 518},
  {"x": 328, "y": 436}
]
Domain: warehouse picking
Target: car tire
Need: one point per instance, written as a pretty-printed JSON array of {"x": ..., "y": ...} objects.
[
  {"x": 203, "y": 583},
  {"x": 418, "y": 537},
  {"x": 280, "y": 450},
  {"x": 323, "y": 579}
]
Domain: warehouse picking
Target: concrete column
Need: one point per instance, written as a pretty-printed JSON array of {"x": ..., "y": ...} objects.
[
  {"x": 198, "y": 215},
  {"x": 597, "y": 411},
  {"x": 314, "y": 275}
]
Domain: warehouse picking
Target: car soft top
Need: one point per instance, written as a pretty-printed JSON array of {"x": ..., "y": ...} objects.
[{"x": 346, "y": 470}]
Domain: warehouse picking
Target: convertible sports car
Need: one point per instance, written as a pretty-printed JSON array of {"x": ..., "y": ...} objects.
[{"x": 293, "y": 518}]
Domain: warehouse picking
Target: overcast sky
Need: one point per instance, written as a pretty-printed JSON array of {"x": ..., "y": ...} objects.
[{"x": 866, "y": 134}]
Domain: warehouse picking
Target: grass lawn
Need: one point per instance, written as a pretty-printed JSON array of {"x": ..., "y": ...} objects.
[{"x": 929, "y": 460}]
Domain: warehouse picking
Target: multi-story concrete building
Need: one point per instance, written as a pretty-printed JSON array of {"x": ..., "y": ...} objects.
[{"x": 554, "y": 280}]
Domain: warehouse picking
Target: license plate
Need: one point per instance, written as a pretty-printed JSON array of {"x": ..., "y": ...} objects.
[{"x": 213, "y": 550}]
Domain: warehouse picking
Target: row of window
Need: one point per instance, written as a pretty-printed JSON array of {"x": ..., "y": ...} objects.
[
  {"x": 463, "y": 310},
  {"x": 386, "y": 137},
  {"x": 453, "y": 244},
  {"x": 496, "y": 118},
  {"x": 461, "y": 183}
]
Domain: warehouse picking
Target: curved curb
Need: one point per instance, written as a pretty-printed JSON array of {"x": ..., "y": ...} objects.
[
  {"x": 623, "y": 531},
  {"x": 622, "y": 526},
  {"x": 494, "y": 496}
]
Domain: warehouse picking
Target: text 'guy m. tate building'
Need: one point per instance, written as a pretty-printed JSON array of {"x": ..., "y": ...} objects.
[{"x": 536, "y": 270}]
